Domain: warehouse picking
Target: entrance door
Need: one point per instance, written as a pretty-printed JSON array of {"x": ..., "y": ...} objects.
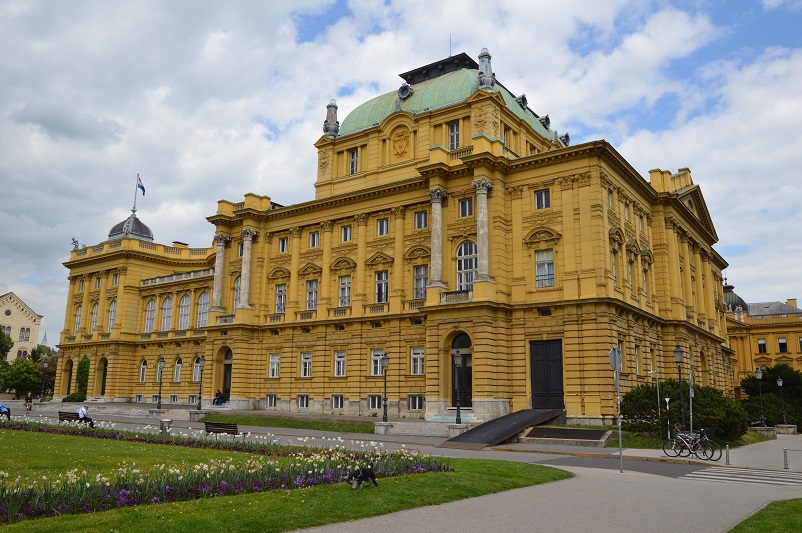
[
  {"x": 547, "y": 374},
  {"x": 462, "y": 379},
  {"x": 227, "y": 364}
]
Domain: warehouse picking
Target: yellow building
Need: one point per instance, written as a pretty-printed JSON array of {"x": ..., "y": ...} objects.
[
  {"x": 21, "y": 324},
  {"x": 762, "y": 334},
  {"x": 448, "y": 218}
]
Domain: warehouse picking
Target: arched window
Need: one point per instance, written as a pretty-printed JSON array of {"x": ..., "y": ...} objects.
[
  {"x": 94, "y": 318},
  {"x": 177, "y": 372},
  {"x": 112, "y": 314},
  {"x": 167, "y": 314},
  {"x": 203, "y": 310},
  {"x": 196, "y": 369},
  {"x": 237, "y": 283},
  {"x": 77, "y": 320},
  {"x": 22, "y": 334},
  {"x": 150, "y": 316},
  {"x": 143, "y": 371},
  {"x": 183, "y": 312},
  {"x": 466, "y": 266}
]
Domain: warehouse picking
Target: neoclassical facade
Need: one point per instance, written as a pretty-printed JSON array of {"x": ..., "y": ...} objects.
[
  {"x": 21, "y": 323},
  {"x": 448, "y": 218}
]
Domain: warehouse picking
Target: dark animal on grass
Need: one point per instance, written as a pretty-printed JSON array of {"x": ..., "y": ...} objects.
[{"x": 362, "y": 474}]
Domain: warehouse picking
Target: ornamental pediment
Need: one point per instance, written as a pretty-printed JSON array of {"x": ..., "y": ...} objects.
[
  {"x": 343, "y": 263},
  {"x": 279, "y": 273},
  {"x": 379, "y": 259},
  {"x": 418, "y": 252},
  {"x": 542, "y": 235},
  {"x": 309, "y": 269}
]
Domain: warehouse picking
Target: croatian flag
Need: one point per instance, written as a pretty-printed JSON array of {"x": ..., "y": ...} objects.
[{"x": 139, "y": 184}]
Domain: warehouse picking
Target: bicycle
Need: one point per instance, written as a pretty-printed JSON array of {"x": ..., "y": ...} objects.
[
  {"x": 715, "y": 454},
  {"x": 684, "y": 444}
]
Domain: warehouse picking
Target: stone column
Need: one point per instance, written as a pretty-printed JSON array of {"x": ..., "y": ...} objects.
[
  {"x": 482, "y": 187},
  {"x": 437, "y": 196},
  {"x": 245, "y": 276},
  {"x": 219, "y": 260},
  {"x": 396, "y": 280},
  {"x": 296, "y": 296},
  {"x": 325, "y": 281},
  {"x": 363, "y": 283}
]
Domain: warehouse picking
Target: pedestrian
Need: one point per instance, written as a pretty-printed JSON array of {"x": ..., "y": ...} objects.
[
  {"x": 218, "y": 398},
  {"x": 29, "y": 402},
  {"x": 82, "y": 416},
  {"x": 5, "y": 411}
]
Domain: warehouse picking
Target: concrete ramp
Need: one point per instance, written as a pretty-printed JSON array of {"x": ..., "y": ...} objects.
[{"x": 501, "y": 429}]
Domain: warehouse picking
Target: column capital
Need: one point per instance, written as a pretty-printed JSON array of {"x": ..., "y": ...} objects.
[
  {"x": 482, "y": 185},
  {"x": 399, "y": 211},
  {"x": 437, "y": 195},
  {"x": 221, "y": 240},
  {"x": 248, "y": 234}
]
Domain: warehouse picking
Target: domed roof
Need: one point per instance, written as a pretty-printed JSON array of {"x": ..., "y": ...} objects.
[
  {"x": 132, "y": 228},
  {"x": 732, "y": 301}
]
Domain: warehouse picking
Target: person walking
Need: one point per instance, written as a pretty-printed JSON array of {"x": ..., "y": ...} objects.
[
  {"x": 5, "y": 411},
  {"x": 29, "y": 402},
  {"x": 82, "y": 416}
]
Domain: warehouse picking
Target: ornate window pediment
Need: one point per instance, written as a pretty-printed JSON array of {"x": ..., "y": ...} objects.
[
  {"x": 647, "y": 259},
  {"x": 279, "y": 273},
  {"x": 343, "y": 264},
  {"x": 542, "y": 236},
  {"x": 310, "y": 269},
  {"x": 616, "y": 239},
  {"x": 379, "y": 259},
  {"x": 418, "y": 252},
  {"x": 633, "y": 250}
]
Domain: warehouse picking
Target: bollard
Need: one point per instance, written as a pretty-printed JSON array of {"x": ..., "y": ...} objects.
[
  {"x": 164, "y": 426},
  {"x": 728, "y": 455},
  {"x": 785, "y": 458}
]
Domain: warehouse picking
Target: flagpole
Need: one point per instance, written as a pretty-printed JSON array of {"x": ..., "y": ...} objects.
[{"x": 136, "y": 191}]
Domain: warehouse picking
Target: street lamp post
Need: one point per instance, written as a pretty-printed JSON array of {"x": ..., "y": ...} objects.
[
  {"x": 458, "y": 365},
  {"x": 668, "y": 419},
  {"x": 44, "y": 368},
  {"x": 657, "y": 379},
  {"x": 385, "y": 362},
  {"x": 201, "y": 364},
  {"x": 678, "y": 355},
  {"x": 161, "y": 378},
  {"x": 780, "y": 384},
  {"x": 759, "y": 376}
]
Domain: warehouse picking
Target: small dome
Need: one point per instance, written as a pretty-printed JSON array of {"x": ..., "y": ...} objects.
[
  {"x": 131, "y": 228},
  {"x": 732, "y": 301}
]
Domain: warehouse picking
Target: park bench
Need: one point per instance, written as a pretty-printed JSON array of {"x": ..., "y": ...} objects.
[
  {"x": 221, "y": 427},
  {"x": 67, "y": 416}
]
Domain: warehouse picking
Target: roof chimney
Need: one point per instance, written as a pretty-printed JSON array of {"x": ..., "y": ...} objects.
[{"x": 791, "y": 302}]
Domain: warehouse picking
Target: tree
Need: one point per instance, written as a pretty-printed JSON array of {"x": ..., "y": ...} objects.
[
  {"x": 5, "y": 345},
  {"x": 22, "y": 377},
  {"x": 40, "y": 351},
  {"x": 772, "y": 403},
  {"x": 82, "y": 379}
]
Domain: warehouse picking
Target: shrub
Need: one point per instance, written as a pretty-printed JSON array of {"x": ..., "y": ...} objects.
[{"x": 78, "y": 396}]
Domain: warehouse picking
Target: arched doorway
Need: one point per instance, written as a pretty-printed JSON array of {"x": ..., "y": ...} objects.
[
  {"x": 227, "y": 367},
  {"x": 66, "y": 378},
  {"x": 100, "y": 376},
  {"x": 462, "y": 381}
]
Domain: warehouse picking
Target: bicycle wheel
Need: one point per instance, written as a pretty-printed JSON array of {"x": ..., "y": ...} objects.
[
  {"x": 684, "y": 448},
  {"x": 703, "y": 450},
  {"x": 716, "y": 452},
  {"x": 671, "y": 448}
]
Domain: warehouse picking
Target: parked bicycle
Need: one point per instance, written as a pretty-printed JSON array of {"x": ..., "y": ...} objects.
[{"x": 685, "y": 444}]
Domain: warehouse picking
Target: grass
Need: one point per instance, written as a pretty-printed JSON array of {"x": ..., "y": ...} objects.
[
  {"x": 274, "y": 511},
  {"x": 784, "y": 515},
  {"x": 655, "y": 442},
  {"x": 344, "y": 426}
]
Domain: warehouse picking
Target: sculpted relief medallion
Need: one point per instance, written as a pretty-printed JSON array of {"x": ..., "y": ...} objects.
[{"x": 401, "y": 143}]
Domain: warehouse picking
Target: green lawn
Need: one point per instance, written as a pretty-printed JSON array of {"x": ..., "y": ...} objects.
[
  {"x": 777, "y": 516},
  {"x": 45, "y": 454}
]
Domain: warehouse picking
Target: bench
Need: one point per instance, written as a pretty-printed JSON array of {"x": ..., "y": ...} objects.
[
  {"x": 221, "y": 427},
  {"x": 67, "y": 416}
]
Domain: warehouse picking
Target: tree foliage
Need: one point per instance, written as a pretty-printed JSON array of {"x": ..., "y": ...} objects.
[
  {"x": 22, "y": 377},
  {"x": 40, "y": 351},
  {"x": 82, "y": 375},
  {"x": 5, "y": 345},
  {"x": 772, "y": 399}
]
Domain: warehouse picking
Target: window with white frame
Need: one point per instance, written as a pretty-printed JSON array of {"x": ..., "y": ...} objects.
[
  {"x": 281, "y": 297},
  {"x": 174, "y": 398},
  {"x": 466, "y": 266},
  {"x": 270, "y": 401},
  {"x": 544, "y": 268},
  {"x": 177, "y": 370},
  {"x": 416, "y": 361},
  {"x": 783, "y": 345},
  {"x": 78, "y": 311},
  {"x": 303, "y": 401},
  {"x": 115, "y": 279},
  {"x": 381, "y": 287},
  {"x": 314, "y": 239},
  {"x": 274, "y": 365},
  {"x": 139, "y": 398},
  {"x": 421, "y": 219},
  {"x": 610, "y": 199},
  {"x": 353, "y": 161},
  {"x": 237, "y": 293},
  {"x": 283, "y": 245},
  {"x": 183, "y": 312},
  {"x": 614, "y": 259},
  {"x": 376, "y": 355},
  {"x": 626, "y": 211},
  {"x": 337, "y": 401},
  {"x": 339, "y": 363},
  {"x": 453, "y": 135},
  {"x": 637, "y": 360},
  {"x": 415, "y": 402},
  {"x": 150, "y": 316},
  {"x": 420, "y": 278},
  {"x": 92, "y": 325},
  {"x": 374, "y": 402},
  {"x": 97, "y": 283},
  {"x": 382, "y": 227},
  {"x": 345, "y": 233},
  {"x": 466, "y": 207},
  {"x": 311, "y": 295},
  {"x": 167, "y": 314},
  {"x": 192, "y": 399},
  {"x": 196, "y": 370},
  {"x": 761, "y": 346},
  {"x": 203, "y": 310},
  {"x": 240, "y": 249},
  {"x": 345, "y": 291},
  {"x": 112, "y": 315},
  {"x": 542, "y": 199},
  {"x": 306, "y": 364},
  {"x": 81, "y": 285},
  {"x": 143, "y": 371},
  {"x": 631, "y": 274}
]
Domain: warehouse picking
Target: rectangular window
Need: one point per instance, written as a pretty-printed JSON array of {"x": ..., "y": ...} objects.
[
  {"x": 382, "y": 226},
  {"x": 281, "y": 297},
  {"x": 800, "y": 344},
  {"x": 143, "y": 372},
  {"x": 283, "y": 245},
  {"x": 240, "y": 249},
  {"x": 274, "y": 364},
  {"x": 610, "y": 199},
  {"x": 177, "y": 371},
  {"x": 339, "y": 363},
  {"x": 192, "y": 399},
  {"x": 337, "y": 401},
  {"x": 353, "y": 161},
  {"x": 374, "y": 402},
  {"x": 783, "y": 345},
  {"x": 420, "y": 277},
  {"x": 311, "y": 295},
  {"x": 637, "y": 360},
  {"x": 115, "y": 279},
  {"x": 345, "y": 233},
  {"x": 544, "y": 268},
  {"x": 615, "y": 268},
  {"x": 139, "y": 398},
  {"x": 97, "y": 283},
  {"x": 466, "y": 207},
  {"x": 416, "y": 362},
  {"x": 761, "y": 346},
  {"x": 421, "y": 219},
  {"x": 542, "y": 199},
  {"x": 345, "y": 291},
  {"x": 453, "y": 136},
  {"x": 314, "y": 239},
  {"x": 640, "y": 222},
  {"x": 81, "y": 285},
  {"x": 270, "y": 401},
  {"x": 631, "y": 279},
  {"x": 381, "y": 287},
  {"x": 303, "y": 401},
  {"x": 626, "y": 211},
  {"x": 415, "y": 402},
  {"x": 174, "y": 398},
  {"x": 376, "y": 361},
  {"x": 306, "y": 364}
]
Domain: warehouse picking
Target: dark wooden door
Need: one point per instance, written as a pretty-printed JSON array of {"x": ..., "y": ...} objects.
[
  {"x": 226, "y": 381},
  {"x": 464, "y": 381},
  {"x": 547, "y": 374}
]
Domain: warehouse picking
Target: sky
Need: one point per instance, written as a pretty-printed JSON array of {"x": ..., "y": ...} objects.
[{"x": 210, "y": 100}]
